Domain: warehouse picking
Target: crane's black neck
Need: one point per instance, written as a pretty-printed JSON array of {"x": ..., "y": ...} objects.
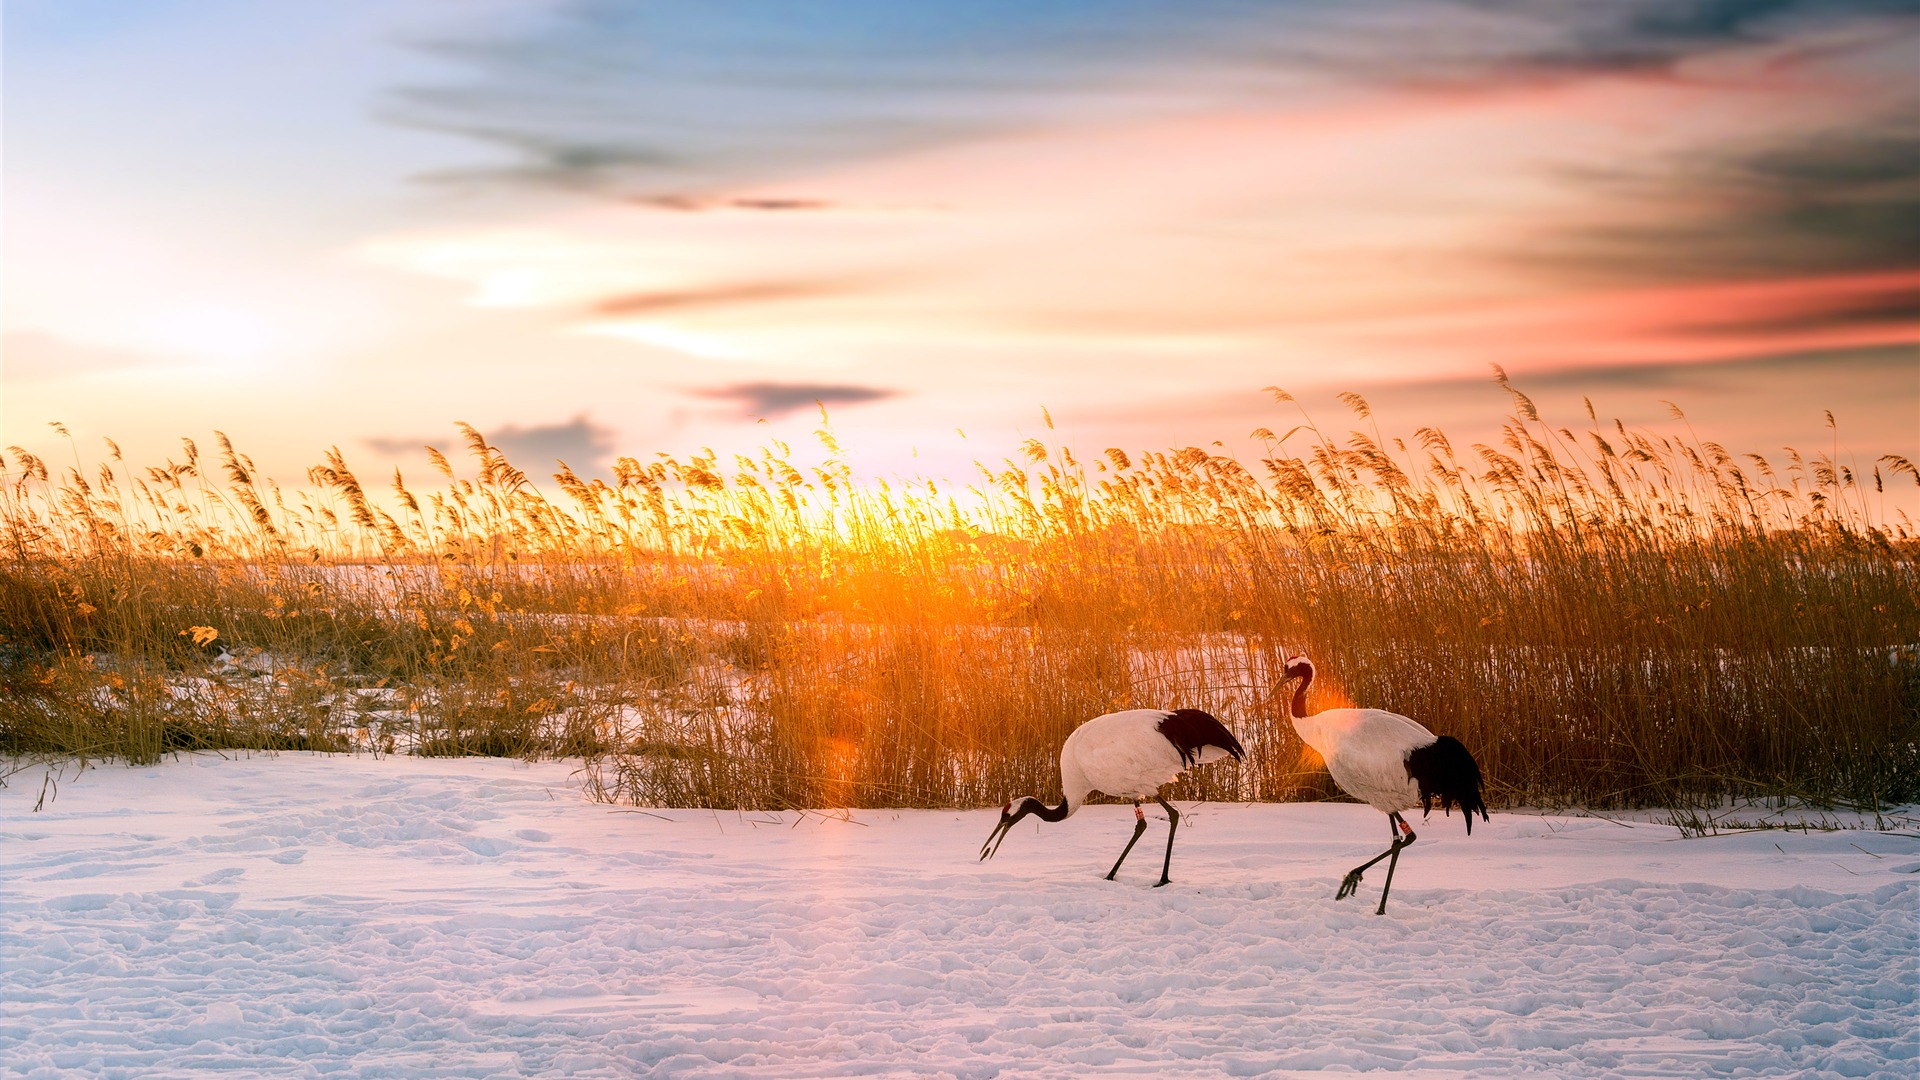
[
  {"x": 1301, "y": 669},
  {"x": 1030, "y": 805}
]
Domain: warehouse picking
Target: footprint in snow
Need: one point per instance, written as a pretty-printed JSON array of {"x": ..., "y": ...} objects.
[{"x": 289, "y": 857}]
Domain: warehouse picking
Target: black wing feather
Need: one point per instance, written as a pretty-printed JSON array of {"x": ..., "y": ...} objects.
[
  {"x": 1191, "y": 731},
  {"x": 1446, "y": 771}
]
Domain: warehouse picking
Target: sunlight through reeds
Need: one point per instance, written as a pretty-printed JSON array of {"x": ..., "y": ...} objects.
[{"x": 1607, "y": 616}]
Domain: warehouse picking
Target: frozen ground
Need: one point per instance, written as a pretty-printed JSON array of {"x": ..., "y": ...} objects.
[{"x": 401, "y": 917}]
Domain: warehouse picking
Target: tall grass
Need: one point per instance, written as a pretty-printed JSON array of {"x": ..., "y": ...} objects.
[{"x": 1607, "y": 616}]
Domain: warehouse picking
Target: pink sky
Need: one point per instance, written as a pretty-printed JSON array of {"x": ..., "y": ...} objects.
[{"x": 593, "y": 233}]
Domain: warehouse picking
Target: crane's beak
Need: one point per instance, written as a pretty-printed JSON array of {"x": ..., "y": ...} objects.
[{"x": 999, "y": 834}]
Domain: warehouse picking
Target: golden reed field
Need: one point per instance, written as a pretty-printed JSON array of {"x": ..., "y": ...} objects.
[{"x": 1605, "y": 616}]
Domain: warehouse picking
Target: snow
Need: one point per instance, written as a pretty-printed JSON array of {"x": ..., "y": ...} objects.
[{"x": 355, "y": 916}]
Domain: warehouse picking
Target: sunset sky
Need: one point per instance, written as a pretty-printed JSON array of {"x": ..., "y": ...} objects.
[{"x": 597, "y": 228}]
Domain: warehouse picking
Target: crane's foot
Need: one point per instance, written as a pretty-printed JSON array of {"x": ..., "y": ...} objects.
[
  {"x": 1351, "y": 883},
  {"x": 1348, "y": 885},
  {"x": 1161, "y": 882}
]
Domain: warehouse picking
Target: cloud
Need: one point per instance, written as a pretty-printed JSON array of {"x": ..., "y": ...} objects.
[
  {"x": 1888, "y": 366},
  {"x": 1662, "y": 32},
  {"x": 771, "y": 400},
  {"x": 755, "y": 292},
  {"x": 671, "y": 97},
  {"x": 694, "y": 204},
  {"x": 579, "y": 442},
  {"x": 1470, "y": 44},
  {"x": 1842, "y": 199},
  {"x": 1893, "y": 310},
  {"x": 560, "y": 159}
]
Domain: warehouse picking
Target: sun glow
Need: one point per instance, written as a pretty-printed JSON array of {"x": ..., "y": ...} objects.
[{"x": 230, "y": 335}]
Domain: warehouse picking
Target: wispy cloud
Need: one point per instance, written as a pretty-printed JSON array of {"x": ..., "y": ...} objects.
[
  {"x": 772, "y": 400},
  {"x": 669, "y": 97},
  {"x": 1841, "y": 199},
  {"x": 1688, "y": 323},
  {"x": 695, "y": 204},
  {"x": 579, "y": 442},
  {"x": 1890, "y": 307},
  {"x": 740, "y": 293},
  {"x": 1472, "y": 45}
]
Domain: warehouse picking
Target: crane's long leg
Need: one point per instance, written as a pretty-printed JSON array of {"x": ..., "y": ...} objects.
[
  {"x": 1173, "y": 826},
  {"x": 1351, "y": 883},
  {"x": 1139, "y": 826},
  {"x": 1395, "y": 861}
]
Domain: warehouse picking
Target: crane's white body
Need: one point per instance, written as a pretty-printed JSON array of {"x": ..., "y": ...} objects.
[
  {"x": 1388, "y": 761},
  {"x": 1130, "y": 755},
  {"x": 1366, "y": 753},
  {"x": 1123, "y": 754}
]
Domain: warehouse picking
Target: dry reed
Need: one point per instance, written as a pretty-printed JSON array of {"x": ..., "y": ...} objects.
[{"x": 1608, "y": 617}]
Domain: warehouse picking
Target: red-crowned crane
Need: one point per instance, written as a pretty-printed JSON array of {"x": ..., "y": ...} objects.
[
  {"x": 1389, "y": 762},
  {"x": 1130, "y": 755}
]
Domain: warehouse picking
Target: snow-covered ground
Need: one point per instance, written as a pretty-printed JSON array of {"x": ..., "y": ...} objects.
[{"x": 356, "y": 916}]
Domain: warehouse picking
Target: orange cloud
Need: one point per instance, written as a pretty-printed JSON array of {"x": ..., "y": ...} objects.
[{"x": 1688, "y": 323}]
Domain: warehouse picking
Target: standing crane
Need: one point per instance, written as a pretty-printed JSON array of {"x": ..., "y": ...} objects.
[
  {"x": 1388, "y": 761},
  {"x": 1130, "y": 755}
]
